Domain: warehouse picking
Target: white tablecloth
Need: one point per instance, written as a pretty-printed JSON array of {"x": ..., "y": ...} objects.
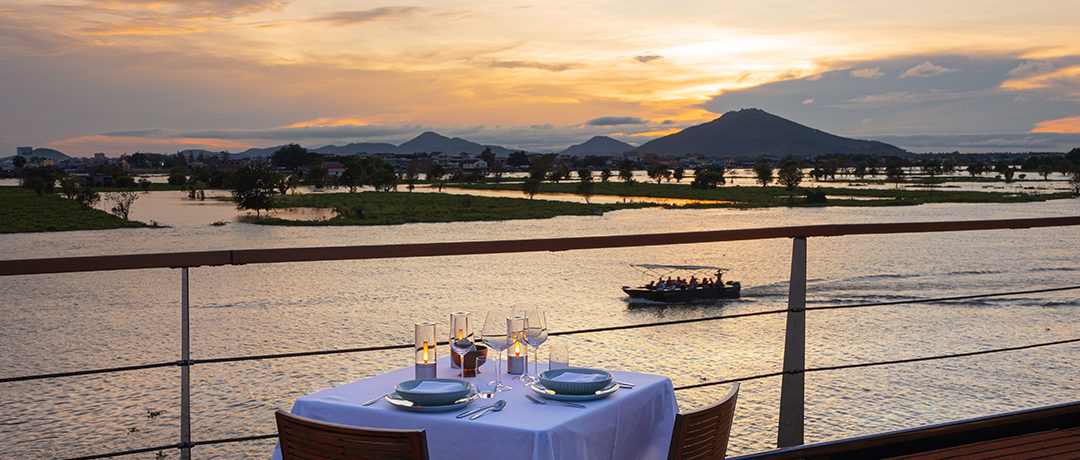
[{"x": 629, "y": 424}]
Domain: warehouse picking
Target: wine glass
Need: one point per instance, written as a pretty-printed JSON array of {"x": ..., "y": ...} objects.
[
  {"x": 461, "y": 337},
  {"x": 496, "y": 336},
  {"x": 536, "y": 333}
]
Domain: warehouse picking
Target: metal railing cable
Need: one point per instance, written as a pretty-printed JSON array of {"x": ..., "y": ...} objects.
[
  {"x": 883, "y": 363},
  {"x": 558, "y": 333},
  {"x": 678, "y": 388}
]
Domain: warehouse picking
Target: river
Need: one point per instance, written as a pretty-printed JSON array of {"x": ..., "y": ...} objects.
[{"x": 55, "y": 323}]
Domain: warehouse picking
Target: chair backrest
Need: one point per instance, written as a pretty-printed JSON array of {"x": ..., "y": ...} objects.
[
  {"x": 304, "y": 438},
  {"x": 703, "y": 434}
]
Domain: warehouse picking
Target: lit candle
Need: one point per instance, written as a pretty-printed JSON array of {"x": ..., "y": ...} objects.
[
  {"x": 515, "y": 363},
  {"x": 426, "y": 350}
]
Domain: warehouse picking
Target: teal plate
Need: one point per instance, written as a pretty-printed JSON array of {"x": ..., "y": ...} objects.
[
  {"x": 540, "y": 389},
  {"x": 396, "y": 400}
]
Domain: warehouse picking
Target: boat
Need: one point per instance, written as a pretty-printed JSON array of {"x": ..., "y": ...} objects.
[{"x": 683, "y": 293}]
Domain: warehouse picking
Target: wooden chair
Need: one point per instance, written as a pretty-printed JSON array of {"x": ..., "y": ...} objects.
[
  {"x": 304, "y": 438},
  {"x": 703, "y": 434}
]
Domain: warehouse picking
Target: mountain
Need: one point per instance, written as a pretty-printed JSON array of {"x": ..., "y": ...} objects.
[
  {"x": 434, "y": 142},
  {"x": 598, "y": 145},
  {"x": 750, "y": 133},
  {"x": 257, "y": 152},
  {"x": 365, "y": 148}
]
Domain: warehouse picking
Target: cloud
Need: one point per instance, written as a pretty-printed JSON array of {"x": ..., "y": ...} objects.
[
  {"x": 1060, "y": 125},
  {"x": 869, "y": 72},
  {"x": 614, "y": 121},
  {"x": 926, "y": 69},
  {"x": 647, "y": 57},
  {"x": 551, "y": 67},
  {"x": 808, "y": 101},
  {"x": 346, "y": 18},
  {"x": 1031, "y": 68}
]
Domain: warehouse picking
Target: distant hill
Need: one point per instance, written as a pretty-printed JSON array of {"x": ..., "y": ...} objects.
[
  {"x": 434, "y": 142},
  {"x": 751, "y": 133},
  {"x": 598, "y": 145},
  {"x": 362, "y": 148},
  {"x": 257, "y": 152}
]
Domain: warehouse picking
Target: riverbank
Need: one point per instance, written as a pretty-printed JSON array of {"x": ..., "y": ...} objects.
[
  {"x": 22, "y": 210},
  {"x": 390, "y": 208},
  {"x": 757, "y": 197}
]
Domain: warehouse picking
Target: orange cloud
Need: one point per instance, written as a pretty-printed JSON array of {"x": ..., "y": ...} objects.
[
  {"x": 1060, "y": 125},
  {"x": 324, "y": 122},
  {"x": 657, "y": 133}
]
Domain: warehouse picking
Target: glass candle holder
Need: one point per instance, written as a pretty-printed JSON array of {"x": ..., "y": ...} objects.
[
  {"x": 425, "y": 350},
  {"x": 517, "y": 353}
]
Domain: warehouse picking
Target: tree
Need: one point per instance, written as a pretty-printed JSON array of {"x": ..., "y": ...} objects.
[
  {"x": 122, "y": 202},
  {"x": 656, "y": 172},
  {"x": 585, "y": 186},
  {"x": 932, "y": 167},
  {"x": 497, "y": 170},
  {"x": 178, "y": 175},
  {"x": 518, "y": 158},
  {"x": 540, "y": 166},
  {"x": 976, "y": 168},
  {"x": 1045, "y": 170},
  {"x": 764, "y": 173},
  {"x": 626, "y": 172},
  {"x": 292, "y": 157},
  {"x": 144, "y": 183},
  {"x": 355, "y": 174},
  {"x": 605, "y": 174},
  {"x": 790, "y": 176},
  {"x": 40, "y": 180},
  {"x": 679, "y": 173},
  {"x": 1005, "y": 170},
  {"x": 253, "y": 188},
  {"x": 531, "y": 186},
  {"x": 383, "y": 178},
  {"x": 1073, "y": 176},
  {"x": 708, "y": 177},
  {"x": 318, "y": 175},
  {"x": 894, "y": 173},
  {"x": 19, "y": 161}
]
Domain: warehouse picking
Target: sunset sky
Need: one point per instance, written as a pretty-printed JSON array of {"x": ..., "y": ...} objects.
[{"x": 120, "y": 76}]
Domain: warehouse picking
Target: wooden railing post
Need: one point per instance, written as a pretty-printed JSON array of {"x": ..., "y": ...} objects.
[
  {"x": 185, "y": 370},
  {"x": 792, "y": 387}
]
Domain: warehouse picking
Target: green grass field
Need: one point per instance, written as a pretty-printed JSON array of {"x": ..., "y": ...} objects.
[
  {"x": 386, "y": 208},
  {"x": 21, "y": 210}
]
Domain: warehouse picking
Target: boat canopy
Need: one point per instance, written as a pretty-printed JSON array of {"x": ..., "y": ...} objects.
[{"x": 677, "y": 267}]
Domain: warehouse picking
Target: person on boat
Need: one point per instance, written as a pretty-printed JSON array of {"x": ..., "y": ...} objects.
[{"x": 719, "y": 276}]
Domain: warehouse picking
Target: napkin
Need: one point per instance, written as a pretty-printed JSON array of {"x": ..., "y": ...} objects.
[
  {"x": 436, "y": 387},
  {"x": 576, "y": 377}
]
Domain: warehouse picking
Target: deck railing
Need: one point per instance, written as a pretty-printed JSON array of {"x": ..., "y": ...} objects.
[{"x": 790, "y": 430}]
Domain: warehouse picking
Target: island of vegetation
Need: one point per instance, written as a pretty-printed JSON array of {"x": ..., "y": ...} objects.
[{"x": 266, "y": 184}]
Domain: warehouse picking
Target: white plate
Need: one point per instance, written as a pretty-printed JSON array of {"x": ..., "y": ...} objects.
[
  {"x": 396, "y": 400},
  {"x": 540, "y": 389}
]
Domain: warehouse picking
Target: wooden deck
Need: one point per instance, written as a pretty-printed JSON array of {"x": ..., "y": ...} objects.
[{"x": 1045, "y": 433}]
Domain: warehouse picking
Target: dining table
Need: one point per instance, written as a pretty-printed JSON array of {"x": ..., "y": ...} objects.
[{"x": 633, "y": 422}]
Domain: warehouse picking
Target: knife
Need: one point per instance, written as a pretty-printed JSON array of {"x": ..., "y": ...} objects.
[{"x": 471, "y": 411}]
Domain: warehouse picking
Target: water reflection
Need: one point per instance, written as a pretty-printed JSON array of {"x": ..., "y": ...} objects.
[{"x": 55, "y": 323}]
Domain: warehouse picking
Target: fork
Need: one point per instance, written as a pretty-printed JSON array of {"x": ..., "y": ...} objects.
[{"x": 537, "y": 401}]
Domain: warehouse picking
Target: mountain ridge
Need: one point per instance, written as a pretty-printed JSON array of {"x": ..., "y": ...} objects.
[{"x": 752, "y": 132}]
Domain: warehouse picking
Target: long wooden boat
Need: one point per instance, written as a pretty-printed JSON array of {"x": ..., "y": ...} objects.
[{"x": 730, "y": 290}]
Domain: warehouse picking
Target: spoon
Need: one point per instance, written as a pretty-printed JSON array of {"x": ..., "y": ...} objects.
[{"x": 499, "y": 405}]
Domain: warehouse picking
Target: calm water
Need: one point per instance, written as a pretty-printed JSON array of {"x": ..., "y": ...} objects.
[{"x": 55, "y": 323}]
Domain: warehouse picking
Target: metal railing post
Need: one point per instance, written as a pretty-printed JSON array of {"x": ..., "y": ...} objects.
[
  {"x": 792, "y": 387},
  {"x": 185, "y": 371}
]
